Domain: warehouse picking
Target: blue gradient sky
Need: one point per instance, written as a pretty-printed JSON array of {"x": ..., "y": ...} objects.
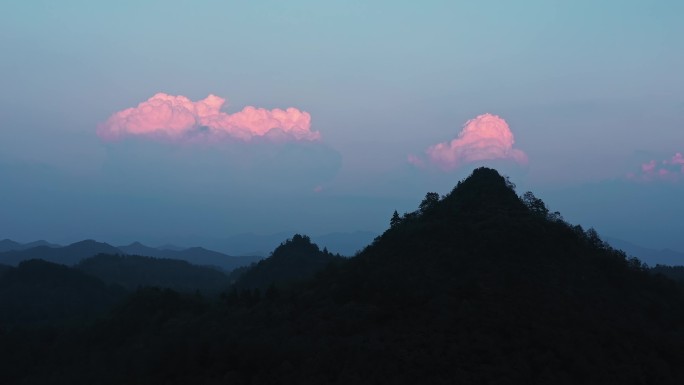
[{"x": 591, "y": 91}]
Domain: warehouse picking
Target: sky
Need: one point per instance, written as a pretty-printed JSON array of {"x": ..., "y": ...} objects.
[{"x": 166, "y": 120}]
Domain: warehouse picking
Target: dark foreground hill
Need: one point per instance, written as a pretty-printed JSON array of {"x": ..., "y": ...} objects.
[
  {"x": 131, "y": 272},
  {"x": 478, "y": 287},
  {"x": 43, "y": 293},
  {"x": 675, "y": 273}
]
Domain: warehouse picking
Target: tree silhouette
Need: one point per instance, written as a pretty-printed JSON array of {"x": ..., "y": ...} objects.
[
  {"x": 431, "y": 199},
  {"x": 396, "y": 219},
  {"x": 535, "y": 204}
]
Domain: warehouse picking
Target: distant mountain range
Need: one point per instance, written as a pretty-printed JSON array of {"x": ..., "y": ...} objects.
[
  {"x": 255, "y": 246},
  {"x": 344, "y": 243},
  {"x": 195, "y": 255},
  {"x": 13, "y": 253},
  {"x": 651, "y": 257},
  {"x": 66, "y": 255},
  {"x": 9, "y": 245}
]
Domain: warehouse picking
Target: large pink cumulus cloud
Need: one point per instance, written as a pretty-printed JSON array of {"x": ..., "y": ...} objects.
[
  {"x": 669, "y": 169},
  {"x": 177, "y": 117},
  {"x": 486, "y": 137}
]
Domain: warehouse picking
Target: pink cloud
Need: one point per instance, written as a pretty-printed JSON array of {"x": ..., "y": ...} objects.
[
  {"x": 486, "y": 137},
  {"x": 177, "y": 117},
  {"x": 669, "y": 169},
  {"x": 649, "y": 167},
  {"x": 416, "y": 160},
  {"x": 677, "y": 159}
]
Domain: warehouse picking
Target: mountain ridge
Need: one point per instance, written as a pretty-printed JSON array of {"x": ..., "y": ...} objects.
[
  {"x": 78, "y": 251},
  {"x": 10, "y": 245},
  {"x": 650, "y": 256}
]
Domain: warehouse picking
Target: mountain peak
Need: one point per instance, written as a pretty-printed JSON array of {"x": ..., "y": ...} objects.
[
  {"x": 87, "y": 242},
  {"x": 296, "y": 259},
  {"x": 298, "y": 244},
  {"x": 8, "y": 244},
  {"x": 485, "y": 187}
]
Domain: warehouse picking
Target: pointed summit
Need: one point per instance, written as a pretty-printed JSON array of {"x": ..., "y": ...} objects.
[
  {"x": 485, "y": 188},
  {"x": 485, "y": 198}
]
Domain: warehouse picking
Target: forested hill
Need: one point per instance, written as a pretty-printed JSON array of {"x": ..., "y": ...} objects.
[
  {"x": 481, "y": 286},
  {"x": 295, "y": 260},
  {"x": 675, "y": 273},
  {"x": 44, "y": 293},
  {"x": 133, "y": 271}
]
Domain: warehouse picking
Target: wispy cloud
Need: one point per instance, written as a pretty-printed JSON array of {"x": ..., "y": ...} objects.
[
  {"x": 486, "y": 137},
  {"x": 179, "y": 118}
]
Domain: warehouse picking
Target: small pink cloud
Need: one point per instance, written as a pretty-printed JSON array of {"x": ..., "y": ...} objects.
[
  {"x": 649, "y": 167},
  {"x": 486, "y": 137},
  {"x": 177, "y": 117},
  {"x": 669, "y": 169},
  {"x": 416, "y": 160},
  {"x": 677, "y": 159}
]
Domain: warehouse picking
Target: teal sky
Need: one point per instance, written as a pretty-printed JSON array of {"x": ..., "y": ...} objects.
[{"x": 591, "y": 91}]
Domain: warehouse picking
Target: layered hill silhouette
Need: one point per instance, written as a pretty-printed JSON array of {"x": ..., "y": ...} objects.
[
  {"x": 76, "y": 252},
  {"x": 344, "y": 243},
  {"x": 10, "y": 245},
  {"x": 194, "y": 255},
  {"x": 66, "y": 255},
  {"x": 137, "y": 248},
  {"x": 647, "y": 255},
  {"x": 478, "y": 286}
]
